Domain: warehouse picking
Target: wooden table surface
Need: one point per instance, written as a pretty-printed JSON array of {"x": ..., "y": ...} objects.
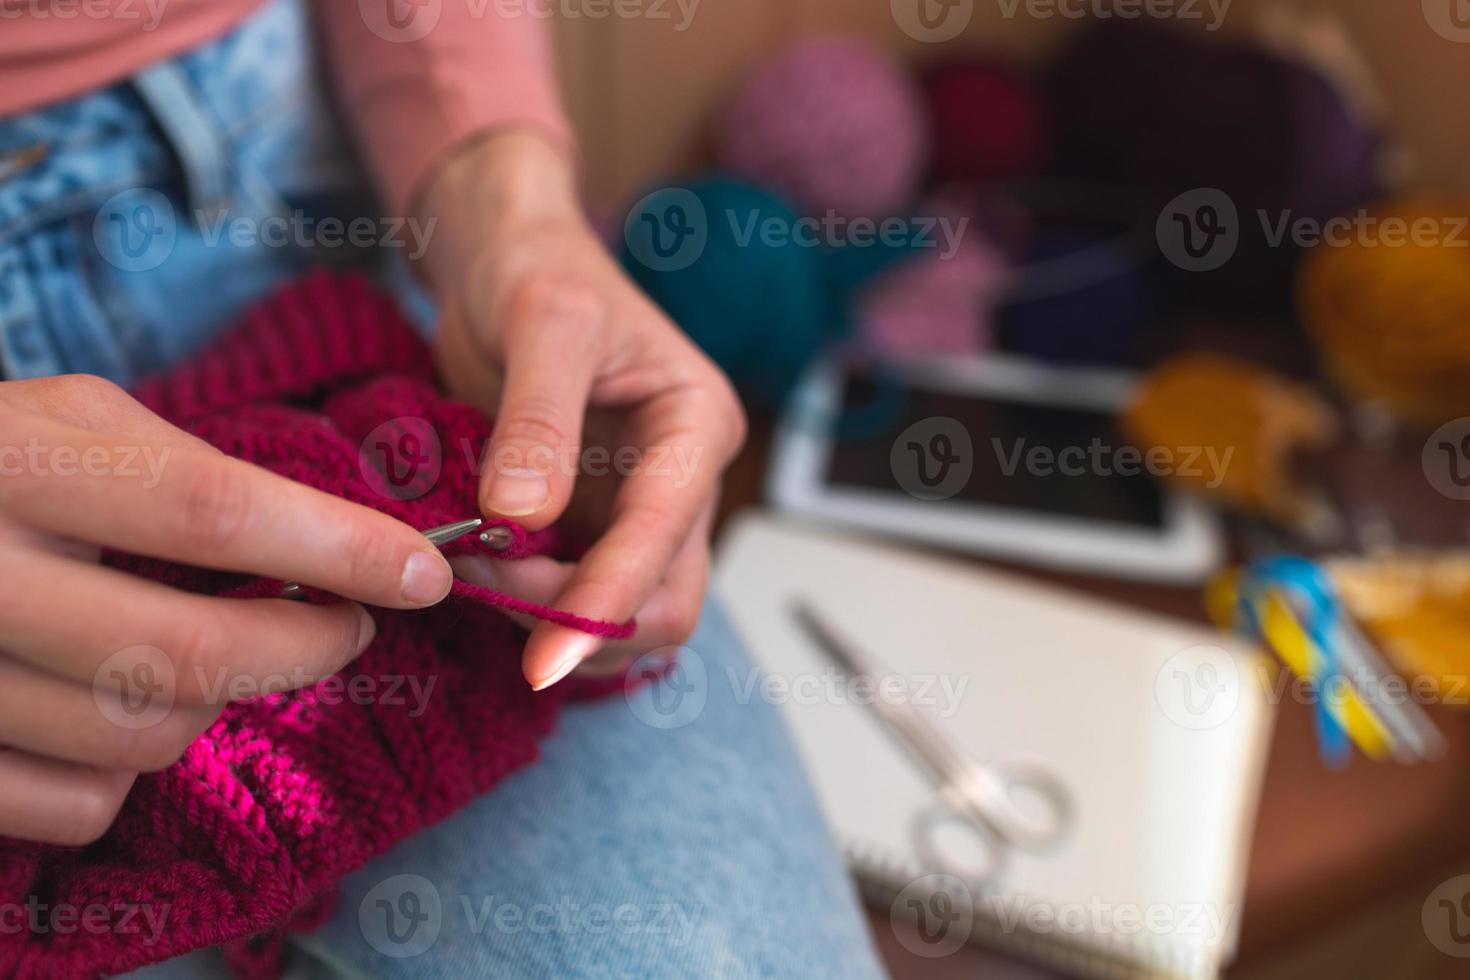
[{"x": 1328, "y": 845}]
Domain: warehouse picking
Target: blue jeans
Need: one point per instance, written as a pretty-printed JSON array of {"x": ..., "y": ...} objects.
[{"x": 657, "y": 836}]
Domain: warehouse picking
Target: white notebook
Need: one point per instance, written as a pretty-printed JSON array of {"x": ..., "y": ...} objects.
[{"x": 1149, "y": 882}]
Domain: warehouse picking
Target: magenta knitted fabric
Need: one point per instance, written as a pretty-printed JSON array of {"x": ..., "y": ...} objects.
[{"x": 249, "y": 834}]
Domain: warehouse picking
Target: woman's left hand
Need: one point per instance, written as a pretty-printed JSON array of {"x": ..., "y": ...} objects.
[{"x": 605, "y": 412}]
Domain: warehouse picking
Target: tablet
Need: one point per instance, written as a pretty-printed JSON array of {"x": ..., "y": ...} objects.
[{"x": 998, "y": 456}]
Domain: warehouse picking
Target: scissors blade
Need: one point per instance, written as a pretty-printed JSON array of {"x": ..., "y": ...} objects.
[{"x": 932, "y": 749}]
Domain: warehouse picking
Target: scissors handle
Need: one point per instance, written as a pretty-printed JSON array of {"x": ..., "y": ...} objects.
[
  {"x": 952, "y": 840},
  {"x": 1024, "y": 804}
]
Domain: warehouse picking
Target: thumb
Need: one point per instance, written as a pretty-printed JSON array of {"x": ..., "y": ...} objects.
[{"x": 531, "y": 465}]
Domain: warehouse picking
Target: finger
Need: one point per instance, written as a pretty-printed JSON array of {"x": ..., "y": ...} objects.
[
  {"x": 668, "y": 619},
  {"x": 86, "y": 401},
  {"x": 552, "y": 651},
  {"x": 541, "y": 580},
  {"x": 550, "y": 362},
  {"x": 100, "y": 626},
  {"x": 61, "y": 719},
  {"x": 58, "y": 802},
  {"x": 654, "y": 514},
  {"x": 207, "y": 509}
]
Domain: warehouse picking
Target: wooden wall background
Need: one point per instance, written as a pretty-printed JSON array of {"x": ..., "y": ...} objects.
[{"x": 639, "y": 89}]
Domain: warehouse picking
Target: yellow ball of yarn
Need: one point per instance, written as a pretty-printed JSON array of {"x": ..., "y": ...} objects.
[{"x": 1389, "y": 306}]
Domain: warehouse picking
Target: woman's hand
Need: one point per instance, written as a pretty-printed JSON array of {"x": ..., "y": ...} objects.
[
  {"x": 104, "y": 674},
  {"x": 604, "y": 410}
]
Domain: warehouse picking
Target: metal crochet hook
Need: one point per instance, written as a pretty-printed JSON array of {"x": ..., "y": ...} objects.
[{"x": 497, "y": 538}]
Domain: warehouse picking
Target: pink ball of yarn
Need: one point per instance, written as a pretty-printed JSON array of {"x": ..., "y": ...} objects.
[
  {"x": 834, "y": 125},
  {"x": 933, "y": 304}
]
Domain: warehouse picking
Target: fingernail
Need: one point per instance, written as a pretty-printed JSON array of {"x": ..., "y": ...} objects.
[
  {"x": 518, "y": 492},
  {"x": 574, "y": 655},
  {"x": 367, "y": 628},
  {"x": 426, "y": 578}
]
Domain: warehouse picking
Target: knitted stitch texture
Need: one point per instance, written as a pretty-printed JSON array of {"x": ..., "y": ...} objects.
[{"x": 249, "y": 833}]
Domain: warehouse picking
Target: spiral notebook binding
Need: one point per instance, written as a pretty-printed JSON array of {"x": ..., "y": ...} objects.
[{"x": 882, "y": 874}]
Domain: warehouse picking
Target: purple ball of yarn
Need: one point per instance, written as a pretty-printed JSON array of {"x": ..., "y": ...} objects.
[
  {"x": 1170, "y": 113},
  {"x": 832, "y": 124}
]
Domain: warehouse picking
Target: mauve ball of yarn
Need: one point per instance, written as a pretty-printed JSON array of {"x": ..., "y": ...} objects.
[
  {"x": 723, "y": 260},
  {"x": 933, "y": 303},
  {"x": 987, "y": 123},
  {"x": 1077, "y": 300},
  {"x": 833, "y": 124},
  {"x": 1389, "y": 308},
  {"x": 1139, "y": 102}
]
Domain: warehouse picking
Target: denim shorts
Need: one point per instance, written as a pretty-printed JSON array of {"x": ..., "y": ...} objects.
[
  {"x": 135, "y": 223},
  {"x": 138, "y": 220}
]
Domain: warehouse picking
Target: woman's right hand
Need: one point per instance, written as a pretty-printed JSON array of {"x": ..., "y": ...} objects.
[{"x": 103, "y": 674}]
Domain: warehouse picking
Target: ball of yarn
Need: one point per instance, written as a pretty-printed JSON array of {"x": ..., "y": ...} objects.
[
  {"x": 1148, "y": 104},
  {"x": 1076, "y": 300},
  {"x": 938, "y": 299},
  {"x": 833, "y": 124},
  {"x": 1181, "y": 403},
  {"x": 987, "y": 123},
  {"x": 1388, "y": 305},
  {"x": 721, "y": 258}
]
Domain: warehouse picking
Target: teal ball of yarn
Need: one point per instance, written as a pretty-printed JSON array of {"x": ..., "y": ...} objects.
[{"x": 730, "y": 264}]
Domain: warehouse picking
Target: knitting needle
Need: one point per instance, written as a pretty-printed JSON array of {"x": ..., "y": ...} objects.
[
  {"x": 440, "y": 536},
  {"x": 498, "y": 538}
]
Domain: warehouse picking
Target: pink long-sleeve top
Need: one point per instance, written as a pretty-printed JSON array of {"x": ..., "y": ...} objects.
[{"x": 412, "y": 93}]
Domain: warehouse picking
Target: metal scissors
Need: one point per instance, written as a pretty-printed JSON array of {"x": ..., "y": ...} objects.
[
  {"x": 1004, "y": 805},
  {"x": 498, "y": 538}
]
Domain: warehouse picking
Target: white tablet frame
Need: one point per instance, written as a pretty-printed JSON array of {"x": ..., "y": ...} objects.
[{"x": 1186, "y": 550}]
